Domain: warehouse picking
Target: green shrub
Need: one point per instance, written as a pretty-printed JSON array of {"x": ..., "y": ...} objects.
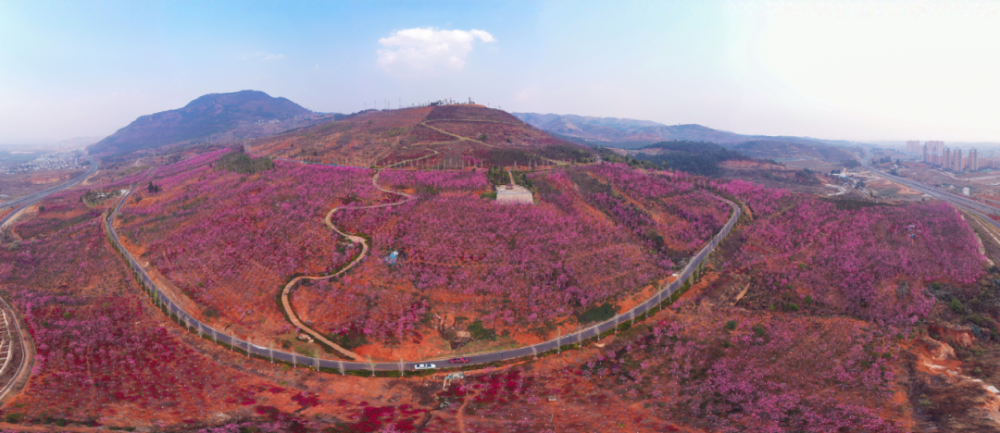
[
  {"x": 808, "y": 299},
  {"x": 239, "y": 162},
  {"x": 349, "y": 340},
  {"x": 956, "y": 306},
  {"x": 759, "y": 330},
  {"x": 14, "y": 418},
  {"x": 392, "y": 132},
  {"x": 791, "y": 306},
  {"x": 731, "y": 325},
  {"x": 597, "y": 314},
  {"x": 479, "y": 332}
]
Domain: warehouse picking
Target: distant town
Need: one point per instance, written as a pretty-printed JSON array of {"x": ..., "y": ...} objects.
[
  {"x": 52, "y": 161},
  {"x": 954, "y": 159}
]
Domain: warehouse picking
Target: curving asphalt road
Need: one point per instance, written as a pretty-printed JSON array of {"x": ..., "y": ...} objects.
[
  {"x": 28, "y": 200},
  {"x": 19, "y": 205},
  {"x": 966, "y": 203},
  {"x": 484, "y": 358}
]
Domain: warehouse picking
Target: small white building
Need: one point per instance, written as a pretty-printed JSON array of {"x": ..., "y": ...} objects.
[
  {"x": 965, "y": 190},
  {"x": 514, "y": 194}
]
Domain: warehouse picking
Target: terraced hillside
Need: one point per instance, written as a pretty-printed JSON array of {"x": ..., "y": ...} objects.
[{"x": 453, "y": 136}]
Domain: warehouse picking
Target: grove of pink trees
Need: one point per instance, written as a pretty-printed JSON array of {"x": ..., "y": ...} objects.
[
  {"x": 530, "y": 264},
  {"x": 438, "y": 180},
  {"x": 872, "y": 262},
  {"x": 688, "y": 216},
  {"x": 769, "y": 373},
  {"x": 99, "y": 343},
  {"x": 229, "y": 241}
]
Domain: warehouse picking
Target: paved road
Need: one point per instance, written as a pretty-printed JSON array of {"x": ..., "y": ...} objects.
[
  {"x": 484, "y": 358},
  {"x": 28, "y": 200},
  {"x": 19, "y": 205},
  {"x": 958, "y": 201}
]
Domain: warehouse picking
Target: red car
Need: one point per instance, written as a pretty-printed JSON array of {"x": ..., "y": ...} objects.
[{"x": 458, "y": 360}]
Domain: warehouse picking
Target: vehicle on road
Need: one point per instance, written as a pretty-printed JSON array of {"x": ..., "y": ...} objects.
[
  {"x": 458, "y": 360},
  {"x": 424, "y": 366}
]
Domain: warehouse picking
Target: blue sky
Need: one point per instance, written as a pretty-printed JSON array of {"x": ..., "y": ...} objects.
[{"x": 848, "y": 70}]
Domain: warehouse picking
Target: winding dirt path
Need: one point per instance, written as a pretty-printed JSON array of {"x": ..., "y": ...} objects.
[
  {"x": 286, "y": 303},
  {"x": 460, "y": 415},
  {"x": 461, "y": 138},
  {"x": 458, "y": 137}
]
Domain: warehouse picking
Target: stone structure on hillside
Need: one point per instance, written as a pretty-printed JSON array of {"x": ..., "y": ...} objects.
[{"x": 513, "y": 193}]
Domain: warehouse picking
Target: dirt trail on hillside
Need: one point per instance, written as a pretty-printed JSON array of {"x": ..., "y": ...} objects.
[
  {"x": 477, "y": 120},
  {"x": 461, "y": 138},
  {"x": 328, "y": 220}
]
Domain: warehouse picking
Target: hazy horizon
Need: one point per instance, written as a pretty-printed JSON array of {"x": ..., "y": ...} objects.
[{"x": 874, "y": 71}]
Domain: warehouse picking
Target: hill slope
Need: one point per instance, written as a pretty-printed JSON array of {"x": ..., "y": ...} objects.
[
  {"x": 237, "y": 115},
  {"x": 636, "y": 134},
  {"x": 623, "y": 131},
  {"x": 445, "y": 135}
]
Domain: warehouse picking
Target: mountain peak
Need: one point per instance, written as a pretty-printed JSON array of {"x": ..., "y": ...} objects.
[
  {"x": 243, "y": 114},
  {"x": 235, "y": 98}
]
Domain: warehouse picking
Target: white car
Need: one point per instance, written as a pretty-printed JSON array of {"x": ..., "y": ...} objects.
[{"x": 424, "y": 366}]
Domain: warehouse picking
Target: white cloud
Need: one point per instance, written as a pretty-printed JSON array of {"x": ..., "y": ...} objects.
[{"x": 428, "y": 49}]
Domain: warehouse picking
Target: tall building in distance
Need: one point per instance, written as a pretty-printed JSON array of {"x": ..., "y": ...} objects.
[{"x": 936, "y": 153}]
